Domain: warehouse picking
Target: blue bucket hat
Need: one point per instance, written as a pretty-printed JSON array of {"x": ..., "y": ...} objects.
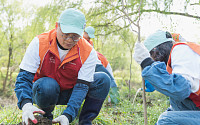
[
  {"x": 156, "y": 39},
  {"x": 90, "y": 31},
  {"x": 72, "y": 21}
]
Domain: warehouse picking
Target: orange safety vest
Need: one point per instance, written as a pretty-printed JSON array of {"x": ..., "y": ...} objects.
[
  {"x": 65, "y": 72},
  {"x": 103, "y": 59},
  {"x": 175, "y": 36},
  {"x": 91, "y": 42},
  {"x": 195, "y": 97}
]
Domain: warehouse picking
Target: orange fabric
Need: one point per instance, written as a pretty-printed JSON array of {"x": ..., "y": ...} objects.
[
  {"x": 195, "y": 47},
  {"x": 175, "y": 36},
  {"x": 71, "y": 55},
  {"x": 44, "y": 46},
  {"x": 66, "y": 72},
  {"x": 85, "y": 49},
  {"x": 198, "y": 92},
  {"x": 103, "y": 59},
  {"x": 91, "y": 42},
  {"x": 47, "y": 41}
]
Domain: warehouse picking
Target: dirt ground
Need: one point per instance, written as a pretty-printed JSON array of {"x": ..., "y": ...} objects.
[
  {"x": 41, "y": 121},
  {"x": 13, "y": 101},
  {"x": 4, "y": 101}
]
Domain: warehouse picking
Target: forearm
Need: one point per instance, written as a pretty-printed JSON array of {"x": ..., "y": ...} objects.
[
  {"x": 78, "y": 95},
  {"x": 172, "y": 85},
  {"x": 23, "y": 87}
]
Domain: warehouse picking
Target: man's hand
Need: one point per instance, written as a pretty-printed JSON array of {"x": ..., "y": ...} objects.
[
  {"x": 63, "y": 120},
  {"x": 140, "y": 52},
  {"x": 28, "y": 111}
]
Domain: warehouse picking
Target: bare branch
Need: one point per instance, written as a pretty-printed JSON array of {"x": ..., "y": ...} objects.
[
  {"x": 138, "y": 22},
  {"x": 192, "y": 4},
  {"x": 116, "y": 30},
  {"x": 172, "y": 13},
  {"x": 123, "y": 11}
]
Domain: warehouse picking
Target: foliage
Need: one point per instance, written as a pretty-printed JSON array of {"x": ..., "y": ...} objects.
[
  {"x": 115, "y": 38},
  {"x": 113, "y": 31}
]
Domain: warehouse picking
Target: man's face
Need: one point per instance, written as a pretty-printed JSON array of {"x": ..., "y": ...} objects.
[
  {"x": 86, "y": 36},
  {"x": 67, "y": 40}
]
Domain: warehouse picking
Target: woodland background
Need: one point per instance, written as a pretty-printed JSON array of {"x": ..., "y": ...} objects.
[{"x": 115, "y": 38}]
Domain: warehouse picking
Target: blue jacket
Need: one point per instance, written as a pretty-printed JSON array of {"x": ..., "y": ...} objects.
[{"x": 173, "y": 85}]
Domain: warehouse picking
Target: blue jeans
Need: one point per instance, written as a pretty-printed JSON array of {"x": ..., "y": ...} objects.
[
  {"x": 47, "y": 94},
  {"x": 179, "y": 118},
  {"x": 182, "y": 112}
]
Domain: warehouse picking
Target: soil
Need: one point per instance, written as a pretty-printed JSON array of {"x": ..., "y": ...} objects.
[{"x": 41, "y": 121}]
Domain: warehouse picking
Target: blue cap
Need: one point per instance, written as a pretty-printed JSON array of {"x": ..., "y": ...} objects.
[
  {"x": 90, "y": 31},
  {"x": 156, "y": 39},
  {"x": 72, "y": 21}
]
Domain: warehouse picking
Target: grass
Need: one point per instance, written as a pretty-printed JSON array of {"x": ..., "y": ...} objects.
[{"x": 124, "y": 113}]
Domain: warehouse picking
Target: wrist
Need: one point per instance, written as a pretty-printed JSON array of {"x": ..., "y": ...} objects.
[
  {"x": 26, "y": 106},
  {"x": 25, "y": 101},
  {"x": 146, "y": 62},
  {"x": 68, "y": 116}
]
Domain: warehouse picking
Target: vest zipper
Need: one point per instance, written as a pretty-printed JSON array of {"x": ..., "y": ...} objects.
[{"x": 43, "y": 60}]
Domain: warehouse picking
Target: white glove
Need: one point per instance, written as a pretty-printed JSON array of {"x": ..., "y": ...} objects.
[
  {"x": 63, "y": 120},
  {"x": 140, "y": 52},
  {"x": 28, "y": 111}
]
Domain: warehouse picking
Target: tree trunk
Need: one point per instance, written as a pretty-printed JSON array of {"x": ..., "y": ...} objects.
[
  {"x": 8, "y": 66},
  {"x": 130, "y": 77}
]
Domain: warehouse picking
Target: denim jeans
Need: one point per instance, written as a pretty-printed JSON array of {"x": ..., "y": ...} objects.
[
  {"x": 179, "y": 118},
  {"x": 182, "y": 112},
  {"x": 101, "y": 68},
  {"x": 46, "y": 92}
]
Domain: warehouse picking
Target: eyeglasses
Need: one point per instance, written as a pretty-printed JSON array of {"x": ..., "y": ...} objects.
[{"x": 75, "y": 38}]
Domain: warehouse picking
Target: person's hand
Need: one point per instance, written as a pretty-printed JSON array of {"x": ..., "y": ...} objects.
[
  {"x": 140, "y": 52},
  {"x": 63, "y": 120},
  {"x": 149, "y": 87},
  {"x": 114, "y": 97},
  {"x": 28, "y": 111}
]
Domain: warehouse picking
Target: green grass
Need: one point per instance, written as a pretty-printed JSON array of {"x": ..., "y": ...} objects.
[{"x": 124, "y": 113}]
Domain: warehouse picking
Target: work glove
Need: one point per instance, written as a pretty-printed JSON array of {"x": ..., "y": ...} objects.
[
  {"x": 149, "y": 87},
  {"x": 63, "y": 120},
  {"x": 114, "y": 97},
  {"x": 140, "y": 52},
  {"x": 28, "y": 111}
]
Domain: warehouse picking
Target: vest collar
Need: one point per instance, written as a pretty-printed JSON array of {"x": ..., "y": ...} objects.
[{"x": 71, "y": 55}]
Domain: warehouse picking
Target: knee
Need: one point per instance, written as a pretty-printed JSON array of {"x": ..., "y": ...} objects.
[
  {"x": 46, "y": 86},
  {"x": 166, "y": 118},
  {"x": 101, "y": 85},
  {"x": 45, "y": 91},
  {"x": 105, "y": 81}
]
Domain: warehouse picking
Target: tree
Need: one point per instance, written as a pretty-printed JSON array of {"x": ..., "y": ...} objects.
[{"x": 11, "y": 14}]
